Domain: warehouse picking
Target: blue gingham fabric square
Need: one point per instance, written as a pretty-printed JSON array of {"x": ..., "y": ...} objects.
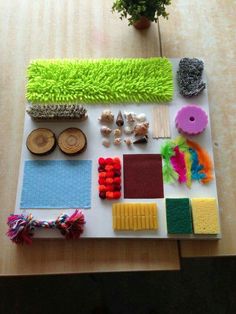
[{"x": 56, "y": 184}]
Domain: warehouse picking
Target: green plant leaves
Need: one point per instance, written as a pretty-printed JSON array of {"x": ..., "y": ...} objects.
[{"x": 151, "y": 9}]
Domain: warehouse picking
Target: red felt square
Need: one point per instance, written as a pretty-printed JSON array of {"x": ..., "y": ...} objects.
[{"x": 143, "y": 176}]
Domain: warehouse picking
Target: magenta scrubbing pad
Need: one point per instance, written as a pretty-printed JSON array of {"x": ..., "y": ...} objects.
[
  {"x": 178, "y": 216},
  {"x": 191, "y": 120}
]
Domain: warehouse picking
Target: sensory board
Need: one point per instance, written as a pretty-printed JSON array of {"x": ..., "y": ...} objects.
[{"x": 99, "y": 216}]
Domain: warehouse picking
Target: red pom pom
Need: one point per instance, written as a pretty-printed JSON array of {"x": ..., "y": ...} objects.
[
  {"x": 117, "y": 160},
  {"x": 109, "y": 188},
  {"x": 102, "y": 188},
  {"x": 117, "y": 187},
  {"x": 109, "y": 195},
  {"x": 110, "y": 174},
  {"x": 109, "y": 161},
  {"x": 101, "y": 161},
  {"x": 116, "y": 195},
  {"x": 102, "y": 195},
  {"x": 117, "y": 173},
  {"x": 117, "y": 166},
  {"x": 109, "y": 180},
  {"x": 109, "y": 168},
  {"x": 102, "y": 181},
  {"x": 101, "y": 169},
  {"x": 117, "y": 180},
  {"x": 102, "y": 175}
]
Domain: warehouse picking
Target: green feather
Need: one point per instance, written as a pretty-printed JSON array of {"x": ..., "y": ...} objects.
[
  {"x": 169, "y": 175},
  {"x": 180, "y": 141},
  {"x": 167, "y": 150}
]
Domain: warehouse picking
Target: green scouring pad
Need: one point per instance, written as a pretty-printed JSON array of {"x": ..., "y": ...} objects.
[
  {"x": 178, "y": 216},
  {"x": 147, "y": 80}
]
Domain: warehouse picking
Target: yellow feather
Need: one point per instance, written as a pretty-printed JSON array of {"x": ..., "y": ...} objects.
[{"x": 188, "y": 163}]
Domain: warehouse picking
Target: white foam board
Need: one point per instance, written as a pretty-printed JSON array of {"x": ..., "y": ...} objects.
[{"x": 99, "y": 217}]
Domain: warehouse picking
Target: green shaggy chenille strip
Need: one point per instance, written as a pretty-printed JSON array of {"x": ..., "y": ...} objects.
[{"x": 100, "y": 81}]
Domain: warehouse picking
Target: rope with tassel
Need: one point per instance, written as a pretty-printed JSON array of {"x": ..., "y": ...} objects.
[{"x": 22, "y": 227}]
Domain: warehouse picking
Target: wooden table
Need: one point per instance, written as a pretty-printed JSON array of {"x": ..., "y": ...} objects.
[
  {"x": 64, "y": 29},
  {"x": 207, "y": 29},
  {"x": 82, "y": 29}
]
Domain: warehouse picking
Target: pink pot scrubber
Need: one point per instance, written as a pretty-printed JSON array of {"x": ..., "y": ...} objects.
[{"x": 191, "y": 120}]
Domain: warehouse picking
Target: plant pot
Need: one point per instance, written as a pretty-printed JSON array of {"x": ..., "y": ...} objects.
[{"x": 142, "y": 23}]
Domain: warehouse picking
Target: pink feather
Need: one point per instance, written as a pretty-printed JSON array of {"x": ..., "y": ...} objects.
[{"x": 178, "y": 163}]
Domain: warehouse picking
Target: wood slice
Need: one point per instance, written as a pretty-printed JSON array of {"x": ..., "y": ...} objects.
[
  {"x": 41, "y": 141},
  {"x": 72, "y": 141}
]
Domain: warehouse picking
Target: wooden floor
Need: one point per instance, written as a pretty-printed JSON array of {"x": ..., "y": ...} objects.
[
  {"x": 82, "y": 29},
  {"x": 63, "y": 29}
]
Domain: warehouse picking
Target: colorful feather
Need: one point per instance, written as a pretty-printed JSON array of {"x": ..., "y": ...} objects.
[
  {"x": 204, "y": 160},
  {"x": 180, "y": 141},
  {"x": 196, "y": 168},
  {"x": 169, "y": 175},
  {"x": 185, "y": 160},
  {"x": 178, "y": 164},
  {"x": 188, "y": 163},
  {"x": 167, "y": 150}
]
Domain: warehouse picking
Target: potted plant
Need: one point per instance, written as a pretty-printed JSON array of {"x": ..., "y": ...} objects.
[{"x": 141, "y": 13}]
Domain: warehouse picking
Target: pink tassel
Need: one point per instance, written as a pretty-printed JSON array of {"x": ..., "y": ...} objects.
[
  {"x": 178, "y": 163},
  {"x": 71, "y": 227},
  {"x": 20, "y": 230}
]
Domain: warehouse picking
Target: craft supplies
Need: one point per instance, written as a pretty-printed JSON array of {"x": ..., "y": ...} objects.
[
  {"x": 21, "y": 227},
  {"x": 117, "y": 141},
  {"x": 117, "y": 132},
  {"x": 185, "y": 161},
  {"x": 141, "y": 117},
  {"x": 57, "y": 112},
  {"x": 106, "y": 116},
  {"x": 105, "y": 131},
  {"x": 109, "y": 178},
  {"x": 202, "y": 165},
  {"x": 134, "y": 216},
  {"x": 56, "y": 184},
  {"x": 205, "y": 216},
  {"x": 189, "y": 77},
  {"x": 100, "y": 81},
  {"x": 135, "y": 123},
  {"x": 128, "y": 130},
  {"x": 191, "y": 120},
  {"x": 128, "y": 141},
  {"x": 143, "y": 176},
  {"x": 178, "y": 216},
  {"x": 130, "y": 117},
  {"x": 41, "y": 141},
  {"x": 161, "y": 122},
  {"x": 72, "y": 141},
  {"x": 119, "y": 119},
  {"x": 141, "y": 140},
  {"x": 106, "y": 142},
  {"x": 141, "y": 129}
]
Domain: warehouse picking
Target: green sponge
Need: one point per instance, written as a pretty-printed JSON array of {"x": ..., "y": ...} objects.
[
  {"x": 178, "y": 216},
  {"x": 100, "y": 81}
]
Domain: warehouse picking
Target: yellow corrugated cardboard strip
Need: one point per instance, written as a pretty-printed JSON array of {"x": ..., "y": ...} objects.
[{"x": 134, "y": 216}]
